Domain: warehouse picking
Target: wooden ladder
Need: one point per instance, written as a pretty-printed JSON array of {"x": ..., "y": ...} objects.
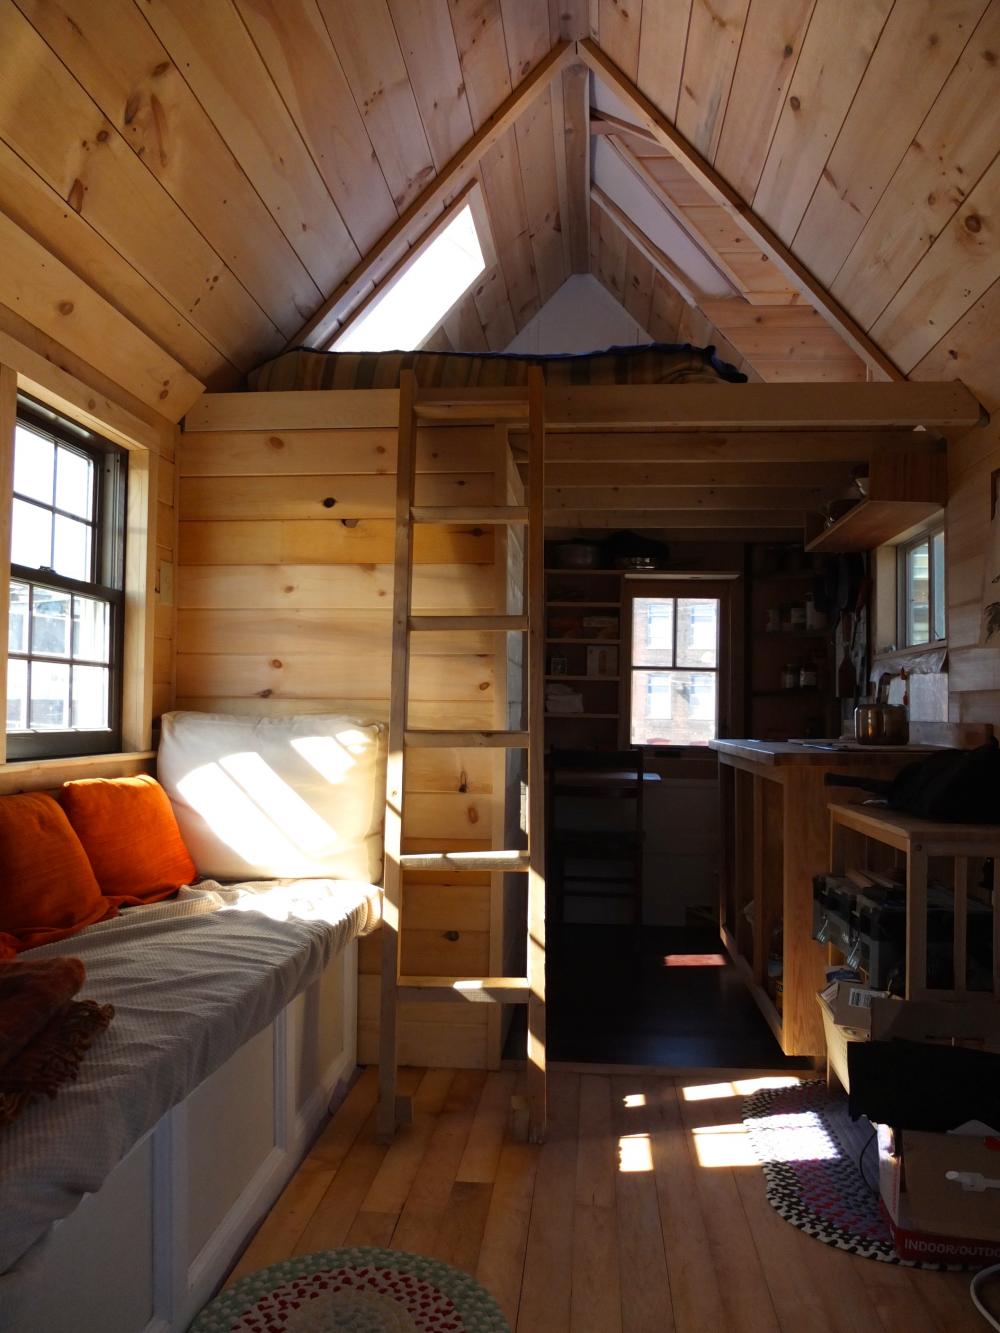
[{"x": 501, "y": 407}]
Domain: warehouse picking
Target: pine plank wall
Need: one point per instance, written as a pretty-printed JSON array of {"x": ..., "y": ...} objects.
[{"x": 284, "y": 605}]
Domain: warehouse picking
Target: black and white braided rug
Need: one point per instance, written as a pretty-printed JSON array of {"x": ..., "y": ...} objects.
[{"x": 811, "y": 1152}]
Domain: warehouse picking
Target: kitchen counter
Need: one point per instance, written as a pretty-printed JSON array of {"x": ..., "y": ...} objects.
[
  {"x": 813, "y": 753},
  {"x": 776, "y": 838}
]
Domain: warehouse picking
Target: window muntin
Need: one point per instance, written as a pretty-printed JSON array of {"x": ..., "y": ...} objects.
[
  {"x": 65, "y": 592},
  {"x": 674, "y": 671},
  {"x": 921, "y": 591}
]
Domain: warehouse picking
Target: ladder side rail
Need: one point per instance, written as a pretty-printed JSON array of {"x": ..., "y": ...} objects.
[
  {"x": 536, "y": 1072},
  {"x": 386, "y": 1119}
]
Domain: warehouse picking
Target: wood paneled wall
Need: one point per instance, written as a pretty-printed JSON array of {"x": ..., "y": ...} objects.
[{"x": 284, "y": 596}]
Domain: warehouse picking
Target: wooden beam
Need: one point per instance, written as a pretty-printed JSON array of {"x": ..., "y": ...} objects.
[
  {"x": 759, "y": 232},
  {"x": 318, "y": 331},
  {"x": 660, "y": 194},
  {"x": 700, "y": 499},
  {"x": 576, "y": 123},
  {"x": 603, "y": 122},
  {"x": 947, "y": 408},
  {"x": 623, "y": 447},
  {"x": 724, "y": 473},
  {"x": 743, "y": 519},
  {"x": 663, "y": 264}
]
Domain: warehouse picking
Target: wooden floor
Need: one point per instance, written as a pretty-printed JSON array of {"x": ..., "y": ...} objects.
[{"x": 616, "y": 1223}]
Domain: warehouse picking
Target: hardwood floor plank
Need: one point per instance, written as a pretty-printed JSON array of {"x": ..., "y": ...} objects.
[
  {"x": 739, "y": 1276},
  {"x": 425, "y": 1204},
  {"x": 283, "y": 1227},
  {"x": 395, "y": 1175},
  {"x": 505, "y": 1236},
  {"x": 460, "y": 1235},
  {"x": 595, "y": 1303},
  {"x": 694, "y": 1292},
  {"x": 337, "y": 1139},
  {"x": 545, "y": 1294},
  {"x": 372, "y": 1229},
  {"x": 482, "y": 1152},
  {"x": 645, "y": 1286}
]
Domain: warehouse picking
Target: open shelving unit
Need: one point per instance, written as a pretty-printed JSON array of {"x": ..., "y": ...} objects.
[{"x": 572, "y": 593}]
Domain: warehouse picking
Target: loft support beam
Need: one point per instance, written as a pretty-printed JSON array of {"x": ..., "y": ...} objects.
[
  {"x": 456, "y": 173},
  {"x": 742, "y": 214},
  {"x": 663, "y": 264},
  {"x": 948, "y": 409}
]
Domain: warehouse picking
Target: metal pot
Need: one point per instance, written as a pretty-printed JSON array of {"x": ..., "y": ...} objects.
[{"x": 881, "y": 723}]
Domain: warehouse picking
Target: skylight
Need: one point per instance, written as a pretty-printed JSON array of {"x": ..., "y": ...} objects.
[{"x": 416, "y": 302}]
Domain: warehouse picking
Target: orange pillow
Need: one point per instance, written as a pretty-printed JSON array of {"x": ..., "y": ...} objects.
[
  {"x": 47, "y": 887},
  {"x": 128, "y": 830}
]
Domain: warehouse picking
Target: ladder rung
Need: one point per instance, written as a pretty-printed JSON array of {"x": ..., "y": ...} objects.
[
  {"x": 483, "y": 990},
  {"x": 476, "y": 514},
  {"x": 452, "y": 861},
  {"x": 444, "y": 740},
  {"x": 488, "y": 623}
]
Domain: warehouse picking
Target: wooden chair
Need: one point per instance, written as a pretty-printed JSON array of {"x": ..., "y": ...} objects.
[{"x": 600, "y": 860}]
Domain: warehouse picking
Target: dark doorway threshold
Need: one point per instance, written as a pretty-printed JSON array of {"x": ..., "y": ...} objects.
[{"x": 611, "y": 999}]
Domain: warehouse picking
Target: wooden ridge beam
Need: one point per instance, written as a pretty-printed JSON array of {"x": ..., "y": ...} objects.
[
  {"x": 624, "y": 447},
  {"x": 650, "y": 118},
  {"x": 318, "y": 331},
  {"x": 947, "y": 408}
]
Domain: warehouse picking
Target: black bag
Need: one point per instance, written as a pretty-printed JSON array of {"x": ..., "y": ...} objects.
[{"x": 951, "y": 786}]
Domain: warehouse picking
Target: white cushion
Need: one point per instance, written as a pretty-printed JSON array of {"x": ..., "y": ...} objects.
[{"x": 276, "y": 797}]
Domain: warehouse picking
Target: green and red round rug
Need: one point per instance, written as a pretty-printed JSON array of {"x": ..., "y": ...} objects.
[{"x": 363, "y": 1290}]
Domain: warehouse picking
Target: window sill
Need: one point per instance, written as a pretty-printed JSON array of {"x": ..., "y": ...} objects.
[
  {"x": 923, "y": 660},
  {"x": 45, "y": 774}
]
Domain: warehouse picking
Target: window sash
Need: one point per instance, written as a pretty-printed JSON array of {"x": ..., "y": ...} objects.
[
  {"x": 933, "y": 538},
  {"x": 107, "y": 565}
]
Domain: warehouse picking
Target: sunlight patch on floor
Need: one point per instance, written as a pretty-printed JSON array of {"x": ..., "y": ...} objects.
[
  {"x": 634, "y": 1153},
  {"x": 739, "y": 1087},
  {"x": 723, "y": 1145}
]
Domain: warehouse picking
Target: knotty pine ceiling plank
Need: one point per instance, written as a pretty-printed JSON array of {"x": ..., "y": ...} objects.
[
  {"x": 210, "y": 44},
  {"x": 427, "y": 43},
  {"x": 831, "y": 65},
  {"x": 479, "y": 36},
  {"x": 116, "y": 56},
  {"x": 771, "y": 45},
  {"x": 294, "y": 44},
  {"x": 38, "y": 210},
  {"x": 713, "y": 44},
  {"x": 536, "y": 150},
  {"x": 918, "y": 48},
  {"x": 960, "y": 266},
  {"x": 365, "y": 40},
  {"x": 950, "y": 152},
  {"x": 663, "y": 41},
  {"x": 81, "y": 154}
]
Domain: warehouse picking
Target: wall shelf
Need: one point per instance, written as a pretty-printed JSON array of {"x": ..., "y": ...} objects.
[{"x": 872, "y": 523}]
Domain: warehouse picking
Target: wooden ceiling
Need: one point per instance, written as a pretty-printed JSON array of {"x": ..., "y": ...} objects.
[{"x": 184, "y": 184}]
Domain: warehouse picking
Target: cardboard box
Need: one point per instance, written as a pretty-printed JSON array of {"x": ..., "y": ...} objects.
[
  {"x": 933, "y": 1218},
  {"x": 846, "y": 1010}
]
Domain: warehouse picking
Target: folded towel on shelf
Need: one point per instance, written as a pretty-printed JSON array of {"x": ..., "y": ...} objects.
[{"x": 44, "y": 1032}]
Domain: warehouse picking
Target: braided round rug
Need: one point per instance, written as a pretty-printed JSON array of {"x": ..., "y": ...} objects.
[
  {"x": 813, "y": 1154},
  {"x": 364, "y": 1290}
]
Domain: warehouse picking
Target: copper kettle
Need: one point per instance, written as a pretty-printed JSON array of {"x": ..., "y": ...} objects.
[{"x": 881, "y": 723}]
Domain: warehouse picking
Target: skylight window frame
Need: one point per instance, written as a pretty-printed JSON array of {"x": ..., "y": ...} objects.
[{"x": 472, "y": 198}]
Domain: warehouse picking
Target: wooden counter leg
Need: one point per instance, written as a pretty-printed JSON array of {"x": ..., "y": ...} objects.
[{"x": 960, "y": 918}]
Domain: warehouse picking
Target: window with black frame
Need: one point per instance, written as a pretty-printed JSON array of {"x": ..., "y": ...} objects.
[{"x": 67, "y": 561}]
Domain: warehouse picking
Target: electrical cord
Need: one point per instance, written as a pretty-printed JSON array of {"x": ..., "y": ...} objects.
[
  {"x": 982, "y": 1276},
  {"x": 861, "y": 1161}
]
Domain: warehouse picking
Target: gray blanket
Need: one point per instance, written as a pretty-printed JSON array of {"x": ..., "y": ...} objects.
[{"x": 191, "y": 980}]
